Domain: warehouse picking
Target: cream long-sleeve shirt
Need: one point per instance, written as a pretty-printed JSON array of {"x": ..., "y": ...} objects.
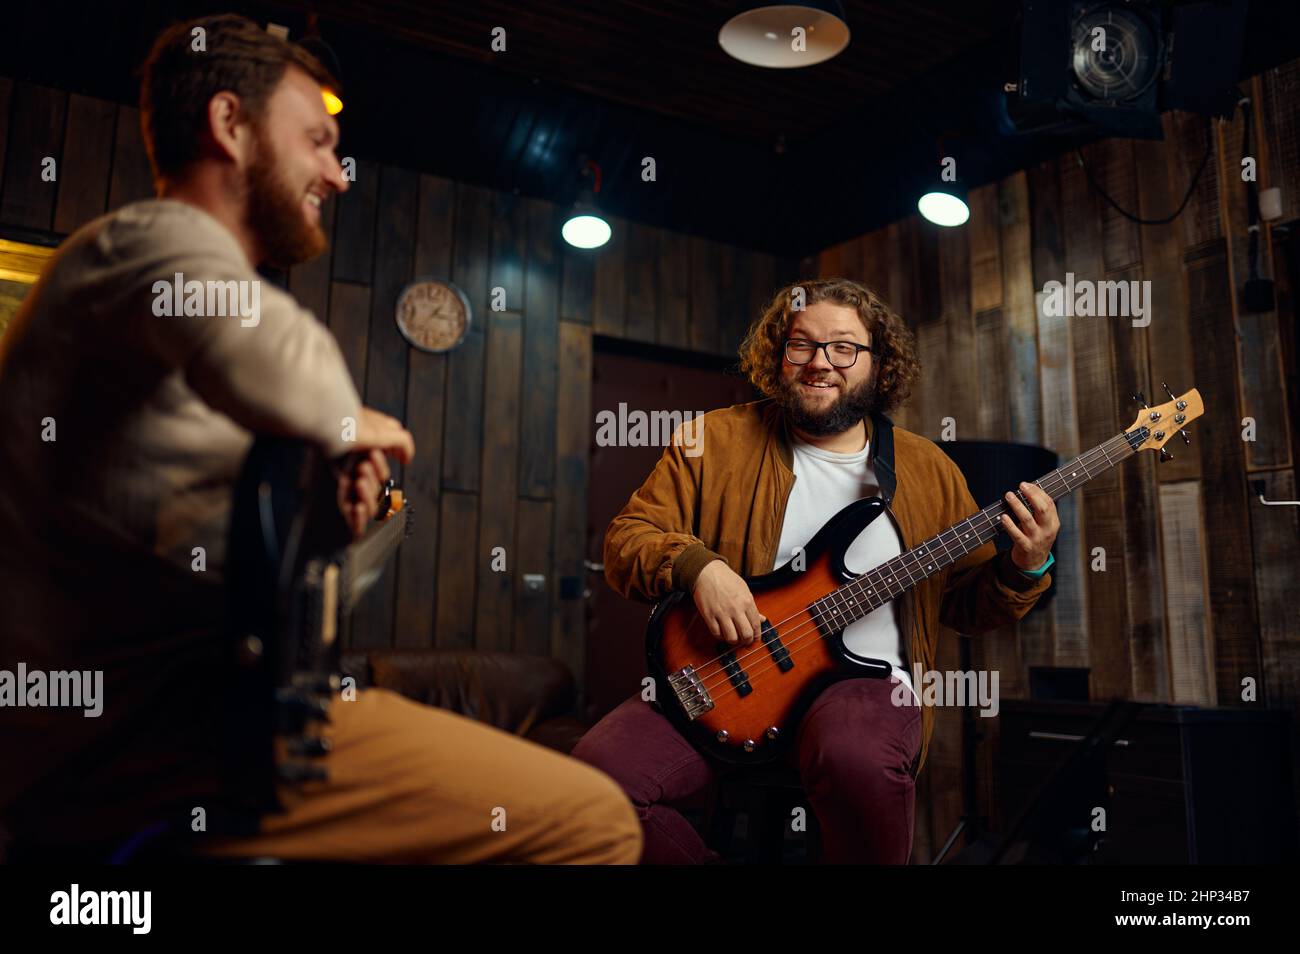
[{"x": 122, "y": 432}]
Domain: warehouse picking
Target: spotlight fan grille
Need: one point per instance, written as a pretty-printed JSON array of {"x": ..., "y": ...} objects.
[{"x": 1127, "y": 63}]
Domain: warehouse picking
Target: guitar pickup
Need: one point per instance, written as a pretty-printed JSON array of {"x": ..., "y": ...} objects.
[
  {"x": 732, "y": 668},
  {"x": 772, "y": 640}
]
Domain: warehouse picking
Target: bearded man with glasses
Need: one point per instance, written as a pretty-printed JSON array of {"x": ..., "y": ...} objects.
[{"x": 771, "y": 473}]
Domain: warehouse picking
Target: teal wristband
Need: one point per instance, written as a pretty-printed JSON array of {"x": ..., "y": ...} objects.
[{"x": 1037, "y": 574}]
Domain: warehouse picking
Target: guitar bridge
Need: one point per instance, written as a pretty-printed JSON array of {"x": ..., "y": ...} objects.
[{"x": 690, "y": 692}]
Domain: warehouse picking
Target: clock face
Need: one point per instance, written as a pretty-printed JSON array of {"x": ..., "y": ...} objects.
[{"x": 433, "y": 315}]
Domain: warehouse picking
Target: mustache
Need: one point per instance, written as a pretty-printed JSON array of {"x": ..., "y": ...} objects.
[{"x": 846, "y": 410}]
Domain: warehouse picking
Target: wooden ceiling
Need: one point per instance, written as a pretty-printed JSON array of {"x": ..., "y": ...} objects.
[
  {"x": 617, "y": 81},
  {"x": 663, "y": 56}
]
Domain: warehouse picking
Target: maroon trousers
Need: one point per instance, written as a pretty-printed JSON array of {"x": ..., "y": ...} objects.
[{"x": 854, "y": 751}]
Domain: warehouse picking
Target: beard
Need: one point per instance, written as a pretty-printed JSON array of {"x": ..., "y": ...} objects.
[
  {"x": 275, "y": 213},
  {"x": 845, "y": 412}
]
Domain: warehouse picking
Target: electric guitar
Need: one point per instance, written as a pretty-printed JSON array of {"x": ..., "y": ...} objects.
[
  {"x": 293, "y": 575},
  {"x": 742, "y": 703}
]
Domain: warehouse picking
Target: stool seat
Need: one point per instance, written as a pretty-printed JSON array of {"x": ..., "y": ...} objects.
[{"x": 767, "y": 795}]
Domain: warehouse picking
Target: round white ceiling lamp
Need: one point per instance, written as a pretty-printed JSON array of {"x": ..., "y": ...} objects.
[
  {"x": 766, "y": 34},
  {"x": 586, "y": 230},
  {"x": 947, "y": 207},
  {"x": 585, "y": 226}
]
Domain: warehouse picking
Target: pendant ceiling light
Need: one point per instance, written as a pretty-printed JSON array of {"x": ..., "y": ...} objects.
[
  {"x": 585, "y": 226},
  {"x": 944, "y": 197},
  {"x": 944, "y": 205},
  {"x": 768, "y": 34}
]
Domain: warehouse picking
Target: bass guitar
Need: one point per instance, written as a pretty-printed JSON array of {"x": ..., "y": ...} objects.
[{"x": 742, "y": 703}]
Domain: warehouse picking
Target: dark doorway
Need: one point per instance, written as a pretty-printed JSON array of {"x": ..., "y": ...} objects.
[{"x": 644, "y": 378}]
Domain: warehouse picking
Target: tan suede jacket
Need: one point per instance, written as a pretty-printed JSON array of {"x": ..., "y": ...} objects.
[{"x": 728, "y": 502}]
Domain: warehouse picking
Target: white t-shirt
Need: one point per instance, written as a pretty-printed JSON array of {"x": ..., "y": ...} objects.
[{"x": 825, "y": 483}]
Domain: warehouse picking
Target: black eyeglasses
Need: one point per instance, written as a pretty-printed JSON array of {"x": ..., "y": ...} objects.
[{"x": 841, "y": 354}]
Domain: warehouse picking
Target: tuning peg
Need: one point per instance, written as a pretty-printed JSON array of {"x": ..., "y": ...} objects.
[
  {"x": 1165, "y": 455},
  {"x": 318, "y": 684},
  {"x": 1140, "y": 398},
  {"x": 308, "y": 746},
  {"x": 295, "y": 708},
  {"x": 296, "y": 772},
  {"x": 1181, "y": 405},
  {"x": 1187, "y": 438}
]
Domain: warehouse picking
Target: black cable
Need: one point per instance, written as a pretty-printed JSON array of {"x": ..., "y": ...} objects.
[{"x": 1209, "y": 147}]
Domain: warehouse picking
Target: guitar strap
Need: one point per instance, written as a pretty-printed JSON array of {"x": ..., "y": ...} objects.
[
  {"x": 882, "y": 461},
  {"x": 882, "y": 455}
]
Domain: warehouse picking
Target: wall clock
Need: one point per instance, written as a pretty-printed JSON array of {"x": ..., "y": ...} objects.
[{"x": 433, "y": 315}]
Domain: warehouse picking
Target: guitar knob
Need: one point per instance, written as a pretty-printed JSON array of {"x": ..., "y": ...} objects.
[
  {"x": 748, "y": 745},
  {"x": 722, "y": 735},
  {"x": 772, "y": 732}
]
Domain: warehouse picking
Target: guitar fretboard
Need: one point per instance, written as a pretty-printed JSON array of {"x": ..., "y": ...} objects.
[
  {"x": 873, "y": 589},
  {"x": 364, "y": 560}
]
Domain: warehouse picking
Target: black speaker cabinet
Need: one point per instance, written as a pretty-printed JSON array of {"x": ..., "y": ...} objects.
[{"x": 1184, "y": 785}]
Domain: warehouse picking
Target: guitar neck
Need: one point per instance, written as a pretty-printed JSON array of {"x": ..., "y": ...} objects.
[
  {"x": 878, "y": 586},
  {"x": 363, "y": 562}
]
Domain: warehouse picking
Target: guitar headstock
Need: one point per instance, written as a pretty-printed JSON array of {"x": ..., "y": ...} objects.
[
  {"x": 1165, "y": 420},
  {"x": 391, "y": 500}
]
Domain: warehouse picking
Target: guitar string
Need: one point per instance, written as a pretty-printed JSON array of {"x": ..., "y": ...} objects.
[
  {"x": 803, "y": 634},
  {"x": 820, "y": 616}
]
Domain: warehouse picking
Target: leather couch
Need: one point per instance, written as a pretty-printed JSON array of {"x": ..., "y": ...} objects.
[{"x": 529, "y": 696}]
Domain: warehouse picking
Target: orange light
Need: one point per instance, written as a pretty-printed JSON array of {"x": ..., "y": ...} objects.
[{"x": 333, "y": 105}]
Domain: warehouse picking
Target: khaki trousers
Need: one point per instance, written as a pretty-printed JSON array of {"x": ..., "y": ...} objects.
[{"x": 411, "y": 783}]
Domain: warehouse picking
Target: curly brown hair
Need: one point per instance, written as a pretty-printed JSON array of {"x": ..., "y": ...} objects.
[{"x": 892, "y": 348}]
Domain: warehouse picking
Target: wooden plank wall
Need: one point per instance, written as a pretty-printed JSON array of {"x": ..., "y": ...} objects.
[
  {"x": 1192, "y": 605},
  {"x": 503, "y": 424},
  {"x": 1196, "y": 595}
]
